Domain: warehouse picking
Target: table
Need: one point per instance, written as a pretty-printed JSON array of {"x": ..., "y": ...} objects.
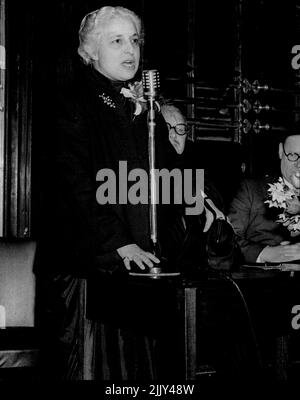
[{"x": 183, "y": 320}]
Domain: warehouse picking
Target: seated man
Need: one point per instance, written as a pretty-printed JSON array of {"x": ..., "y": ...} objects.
[
  {"x": 177, "y": 126},
  {"x": 178, "y": 131},
  {"x": 199, "y": 229},
  {"x": 264, "y": 212}
]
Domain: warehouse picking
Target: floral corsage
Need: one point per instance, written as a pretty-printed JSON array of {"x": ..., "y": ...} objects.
[
  {"x": 136, "y": 94},
  {"x": 284, "y": 197}
]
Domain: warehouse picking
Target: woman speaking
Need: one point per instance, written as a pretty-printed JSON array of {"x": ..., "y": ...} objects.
[{"x": 101, "y": 121}]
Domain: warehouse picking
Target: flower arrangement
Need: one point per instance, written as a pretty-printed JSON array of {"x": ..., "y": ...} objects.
[
  {"x": 285, "y": 197},
  {"x": 136, "y": 94}
]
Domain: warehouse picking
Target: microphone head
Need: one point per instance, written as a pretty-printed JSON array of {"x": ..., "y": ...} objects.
[{"x": 151, "y": 83}]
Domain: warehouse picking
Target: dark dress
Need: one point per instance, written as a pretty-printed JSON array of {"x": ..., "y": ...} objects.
[
  {"x": 94, "y": 129},
  {"x": 93, "y": 135}
]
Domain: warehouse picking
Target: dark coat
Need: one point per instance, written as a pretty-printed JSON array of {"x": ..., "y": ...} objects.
[
  {"x": 95, "y": 129},
  {"x": 254, "y": 222}
]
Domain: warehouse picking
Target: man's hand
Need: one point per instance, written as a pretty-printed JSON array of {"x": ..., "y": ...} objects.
[
  {"x": 132, "y": 252},
  {"x": 282, "y": 253},
  {"x": 209, "y": 219},
  {"x": 209, "y": 215}
]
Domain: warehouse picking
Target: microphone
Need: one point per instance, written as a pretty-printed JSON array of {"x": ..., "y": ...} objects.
[
  {"x": 151, "y": 83},
  {"x": 150, "y": 86}
]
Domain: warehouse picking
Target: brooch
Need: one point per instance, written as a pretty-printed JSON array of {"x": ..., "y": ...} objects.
[{"x": 107, "y": 100}]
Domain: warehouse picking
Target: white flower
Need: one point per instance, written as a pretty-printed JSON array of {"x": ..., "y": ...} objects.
[
  {"x": 296, "y": 225},
  {"x": 279, "y": 193},
  {"x": 136, "y": 94},
  {"x": 285, "y": 197}
]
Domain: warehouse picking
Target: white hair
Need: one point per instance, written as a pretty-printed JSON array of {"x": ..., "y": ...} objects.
[
  {"x": 92, "y": 26},
  {"x": 170, "y": 109}
]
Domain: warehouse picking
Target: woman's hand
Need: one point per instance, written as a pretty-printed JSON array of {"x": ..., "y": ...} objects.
[{"x": 132, "y": 252}]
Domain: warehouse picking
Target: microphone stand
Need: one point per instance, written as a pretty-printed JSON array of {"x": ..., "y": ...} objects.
[
  {"x": 152, "y": 182},
  {"x": 151, "y": 78}
]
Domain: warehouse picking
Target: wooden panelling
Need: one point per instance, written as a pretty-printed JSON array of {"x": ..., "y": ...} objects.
[
  {"x": 17, "y": 172},
  {"x": 2, "y": 110}
]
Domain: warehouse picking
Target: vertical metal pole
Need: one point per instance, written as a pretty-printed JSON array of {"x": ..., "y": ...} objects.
[
  {"x": 191, "y": 62},
  {"x": 190, "y": 315},
  {"x": 297, "y": 72},
  {"x": 152, "y": 185},
  {"x": 238, "y": 91}
]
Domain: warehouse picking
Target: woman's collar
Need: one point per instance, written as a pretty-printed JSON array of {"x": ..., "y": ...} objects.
[{"x": 105, "y": 83}]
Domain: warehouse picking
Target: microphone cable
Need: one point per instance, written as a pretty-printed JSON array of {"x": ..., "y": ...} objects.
[{"x": 226, "y": 277}]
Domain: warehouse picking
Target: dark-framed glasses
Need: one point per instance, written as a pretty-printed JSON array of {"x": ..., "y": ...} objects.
[
  {"x": 180, "y": 129},
  {"x": 293, "y": 157}
]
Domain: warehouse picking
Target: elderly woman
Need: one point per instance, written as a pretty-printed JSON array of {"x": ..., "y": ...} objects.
[{"x": 100, "y": 123}]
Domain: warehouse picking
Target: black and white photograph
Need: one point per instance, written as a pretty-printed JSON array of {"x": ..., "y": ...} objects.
[{"x": 150, "y": 195}]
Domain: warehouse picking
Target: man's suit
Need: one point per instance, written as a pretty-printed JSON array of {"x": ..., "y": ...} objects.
[{"x": 254, "y": 222}]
